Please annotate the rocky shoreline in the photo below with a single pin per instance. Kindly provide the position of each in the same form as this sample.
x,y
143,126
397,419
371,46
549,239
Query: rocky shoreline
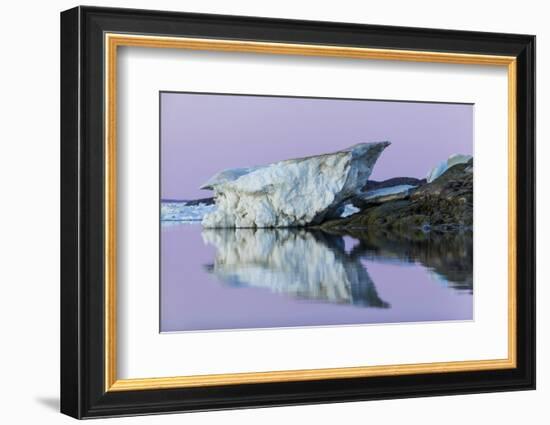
x,y
445,204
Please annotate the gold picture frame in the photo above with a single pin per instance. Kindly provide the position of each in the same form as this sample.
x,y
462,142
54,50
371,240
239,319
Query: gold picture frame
x,y
114,41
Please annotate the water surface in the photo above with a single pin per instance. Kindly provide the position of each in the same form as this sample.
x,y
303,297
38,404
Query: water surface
x,y
213,279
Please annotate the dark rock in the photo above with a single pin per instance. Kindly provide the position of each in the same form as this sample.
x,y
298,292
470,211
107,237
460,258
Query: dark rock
x,y
395,181
204,201
445,204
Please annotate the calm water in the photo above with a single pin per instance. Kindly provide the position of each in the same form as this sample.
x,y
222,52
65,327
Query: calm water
x,y
244,278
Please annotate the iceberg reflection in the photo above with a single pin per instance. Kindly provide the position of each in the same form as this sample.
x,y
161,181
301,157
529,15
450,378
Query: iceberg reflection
x,y
447,255
305,264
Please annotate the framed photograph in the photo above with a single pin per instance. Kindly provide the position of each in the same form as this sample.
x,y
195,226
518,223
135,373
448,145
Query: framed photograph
x,y
261,212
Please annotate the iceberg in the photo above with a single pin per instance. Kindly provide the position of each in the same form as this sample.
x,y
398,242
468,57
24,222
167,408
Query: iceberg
x,y
291,193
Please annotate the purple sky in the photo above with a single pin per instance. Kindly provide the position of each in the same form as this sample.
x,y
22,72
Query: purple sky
x,y
203,134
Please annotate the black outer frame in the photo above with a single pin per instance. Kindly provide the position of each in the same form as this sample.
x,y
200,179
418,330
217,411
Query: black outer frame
x,y
82,205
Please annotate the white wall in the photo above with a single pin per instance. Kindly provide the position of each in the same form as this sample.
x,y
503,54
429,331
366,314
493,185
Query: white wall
x,y
29,217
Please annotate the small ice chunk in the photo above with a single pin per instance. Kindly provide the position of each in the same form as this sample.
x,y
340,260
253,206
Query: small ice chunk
x,y
349,209
392,191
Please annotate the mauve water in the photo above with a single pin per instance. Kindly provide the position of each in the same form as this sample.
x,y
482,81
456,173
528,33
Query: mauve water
x,y
398,287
